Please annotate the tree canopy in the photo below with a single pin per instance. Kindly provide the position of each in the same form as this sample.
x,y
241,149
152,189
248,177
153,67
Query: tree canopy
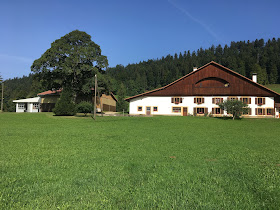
x,y
70,63
236,108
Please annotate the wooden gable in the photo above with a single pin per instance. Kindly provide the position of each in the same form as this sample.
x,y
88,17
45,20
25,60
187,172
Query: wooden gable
x,y
212,79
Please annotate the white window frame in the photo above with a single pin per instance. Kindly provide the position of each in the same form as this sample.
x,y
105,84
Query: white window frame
x,y
21,105
35,105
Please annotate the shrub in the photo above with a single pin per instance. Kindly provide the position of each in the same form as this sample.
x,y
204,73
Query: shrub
x,y
236,108
65,105
84,107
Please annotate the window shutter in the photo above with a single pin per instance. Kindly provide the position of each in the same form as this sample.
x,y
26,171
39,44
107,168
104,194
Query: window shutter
x,y
195,100
181,100
249,111
222,100
213,111
256,111
256,100
202,100
222,111
194,110
249,101
206,110
213,100
227,98
172,100
263,101
273,112
263,111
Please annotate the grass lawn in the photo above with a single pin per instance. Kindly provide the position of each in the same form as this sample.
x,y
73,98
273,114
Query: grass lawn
x,y
275,87
160,162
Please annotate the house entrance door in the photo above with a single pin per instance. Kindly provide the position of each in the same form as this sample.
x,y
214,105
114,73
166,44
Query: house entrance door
x,y
185,111
148,110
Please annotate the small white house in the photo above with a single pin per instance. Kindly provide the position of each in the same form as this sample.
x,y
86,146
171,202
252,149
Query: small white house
x,y
28,104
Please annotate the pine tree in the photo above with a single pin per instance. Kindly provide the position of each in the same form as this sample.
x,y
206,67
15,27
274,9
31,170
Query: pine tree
x,y
273,76
65,106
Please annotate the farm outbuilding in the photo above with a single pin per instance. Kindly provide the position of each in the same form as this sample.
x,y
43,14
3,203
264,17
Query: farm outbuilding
x,y
28,104
200,92
46,101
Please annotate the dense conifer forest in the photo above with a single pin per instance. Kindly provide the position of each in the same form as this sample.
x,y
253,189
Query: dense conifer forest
x,y
243,57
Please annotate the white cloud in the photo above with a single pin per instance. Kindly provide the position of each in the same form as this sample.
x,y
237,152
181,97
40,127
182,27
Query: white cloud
x,y
206,27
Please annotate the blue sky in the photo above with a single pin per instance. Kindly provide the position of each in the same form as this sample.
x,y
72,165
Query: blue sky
x,y
130,31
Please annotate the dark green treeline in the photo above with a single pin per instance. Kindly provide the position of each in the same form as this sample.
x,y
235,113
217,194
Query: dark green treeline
x,y
243,57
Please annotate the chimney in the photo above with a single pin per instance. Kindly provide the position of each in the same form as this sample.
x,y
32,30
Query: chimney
x,y
254,77
194,68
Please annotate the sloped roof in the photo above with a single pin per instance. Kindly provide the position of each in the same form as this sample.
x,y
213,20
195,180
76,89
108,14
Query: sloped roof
x,y
28,100
49,92
114,97
199,69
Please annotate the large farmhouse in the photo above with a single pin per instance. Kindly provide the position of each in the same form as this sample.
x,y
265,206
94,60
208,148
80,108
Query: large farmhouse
x,y
200,92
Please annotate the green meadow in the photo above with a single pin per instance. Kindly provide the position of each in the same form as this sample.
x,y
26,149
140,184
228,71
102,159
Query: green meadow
x,y
162,162
275,87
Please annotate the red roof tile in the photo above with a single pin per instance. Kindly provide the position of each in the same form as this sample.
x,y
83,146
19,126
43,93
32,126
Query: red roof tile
x,y
49,92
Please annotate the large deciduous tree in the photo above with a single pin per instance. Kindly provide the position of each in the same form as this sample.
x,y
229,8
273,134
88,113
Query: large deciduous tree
x,y
70,63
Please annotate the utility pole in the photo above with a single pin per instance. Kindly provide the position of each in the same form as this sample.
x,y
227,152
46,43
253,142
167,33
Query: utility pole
x,y
100,102
94,110
2,99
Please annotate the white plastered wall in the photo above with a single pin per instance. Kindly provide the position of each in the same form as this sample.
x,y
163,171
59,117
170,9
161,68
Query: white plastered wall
x,y
165,106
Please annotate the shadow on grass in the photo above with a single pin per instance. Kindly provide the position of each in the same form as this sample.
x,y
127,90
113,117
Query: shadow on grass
x,y
227,118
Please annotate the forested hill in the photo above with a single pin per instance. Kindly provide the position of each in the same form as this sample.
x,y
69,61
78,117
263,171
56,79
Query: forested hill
x,y
243,57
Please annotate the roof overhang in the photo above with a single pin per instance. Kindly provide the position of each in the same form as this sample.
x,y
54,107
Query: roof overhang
x,y
28,100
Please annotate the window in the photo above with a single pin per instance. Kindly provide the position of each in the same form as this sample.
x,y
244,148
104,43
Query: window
x,y
200,110
260,111
217,100
176,100
246,111
155,108
246,100
198,100
35,105
21,106
139,108
217,111
269,111
232,98
260,101
176,109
